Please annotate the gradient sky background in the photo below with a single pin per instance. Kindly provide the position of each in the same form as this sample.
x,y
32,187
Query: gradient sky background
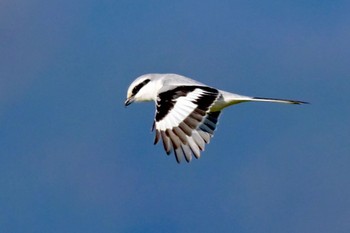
x,y
73,159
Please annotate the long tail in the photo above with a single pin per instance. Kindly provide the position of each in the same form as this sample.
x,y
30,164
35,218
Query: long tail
x,y
231,99
261,99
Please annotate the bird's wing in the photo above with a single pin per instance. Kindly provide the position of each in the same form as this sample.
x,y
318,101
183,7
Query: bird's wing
x,y
183,119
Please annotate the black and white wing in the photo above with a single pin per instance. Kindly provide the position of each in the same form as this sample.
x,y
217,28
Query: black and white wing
x,y
183,120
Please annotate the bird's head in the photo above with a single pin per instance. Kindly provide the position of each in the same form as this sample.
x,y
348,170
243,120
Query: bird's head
x,y
144,88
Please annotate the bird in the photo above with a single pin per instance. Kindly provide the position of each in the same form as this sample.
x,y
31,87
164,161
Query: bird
x,y
187,111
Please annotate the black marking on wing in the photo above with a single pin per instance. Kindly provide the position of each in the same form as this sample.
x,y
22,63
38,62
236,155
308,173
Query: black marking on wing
x,y
167,100
191,135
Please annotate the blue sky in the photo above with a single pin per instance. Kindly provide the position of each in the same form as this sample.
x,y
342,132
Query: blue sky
x,y
73,159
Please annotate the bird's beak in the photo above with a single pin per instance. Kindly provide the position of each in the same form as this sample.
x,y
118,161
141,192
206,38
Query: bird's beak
x,y
129,101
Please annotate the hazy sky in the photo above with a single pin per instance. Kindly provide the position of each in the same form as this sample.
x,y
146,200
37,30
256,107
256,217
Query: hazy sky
x,y
73,159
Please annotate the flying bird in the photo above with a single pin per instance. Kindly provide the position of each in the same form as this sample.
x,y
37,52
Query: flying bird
x,y
187,111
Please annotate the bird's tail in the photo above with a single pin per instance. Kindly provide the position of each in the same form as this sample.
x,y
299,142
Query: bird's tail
x,y
285,101
231,99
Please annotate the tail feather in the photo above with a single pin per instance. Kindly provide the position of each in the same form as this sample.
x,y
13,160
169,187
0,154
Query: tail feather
x,y
231,99
278,100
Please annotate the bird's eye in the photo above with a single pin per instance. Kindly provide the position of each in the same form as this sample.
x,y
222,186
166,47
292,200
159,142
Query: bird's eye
x,y
139,86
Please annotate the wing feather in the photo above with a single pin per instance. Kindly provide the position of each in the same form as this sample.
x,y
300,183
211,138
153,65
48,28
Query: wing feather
x,y
183,120
194,147
182,136
166,142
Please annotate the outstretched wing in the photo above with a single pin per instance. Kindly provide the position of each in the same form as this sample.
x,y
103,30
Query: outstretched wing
x,y
183,120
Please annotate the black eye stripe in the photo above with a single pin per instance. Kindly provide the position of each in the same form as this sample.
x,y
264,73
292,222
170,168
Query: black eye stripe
x,y
139,86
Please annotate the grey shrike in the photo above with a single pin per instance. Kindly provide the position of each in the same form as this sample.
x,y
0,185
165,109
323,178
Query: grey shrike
x,y
187,111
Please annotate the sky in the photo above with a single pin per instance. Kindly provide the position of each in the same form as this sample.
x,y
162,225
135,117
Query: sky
x,y
74,159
